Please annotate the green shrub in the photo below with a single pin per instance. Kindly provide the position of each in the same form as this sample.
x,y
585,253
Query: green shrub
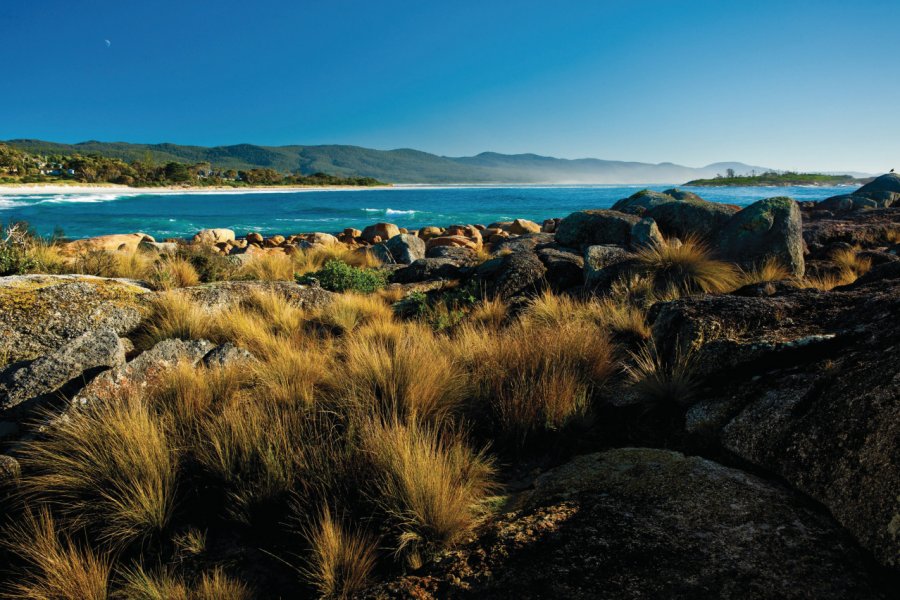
x,y
337,276
210,266
14,260
414,305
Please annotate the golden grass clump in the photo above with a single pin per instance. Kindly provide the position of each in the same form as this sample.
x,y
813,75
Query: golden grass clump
x,y
850,263
663,380
48,258
57,568
348,311
615,315
109,466
403,370
490,313
313,259
172,273
138,584
291,374
341,560
770,269
687,267
428,484
536,378
130,265
268,267
174,315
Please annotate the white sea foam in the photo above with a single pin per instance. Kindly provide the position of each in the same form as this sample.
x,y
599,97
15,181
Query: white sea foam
x,y
390,211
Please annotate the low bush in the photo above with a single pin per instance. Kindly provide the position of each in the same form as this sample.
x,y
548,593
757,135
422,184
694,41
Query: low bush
x,y
338,276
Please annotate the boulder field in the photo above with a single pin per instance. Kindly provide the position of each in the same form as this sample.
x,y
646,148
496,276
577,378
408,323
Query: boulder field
x,y
778,476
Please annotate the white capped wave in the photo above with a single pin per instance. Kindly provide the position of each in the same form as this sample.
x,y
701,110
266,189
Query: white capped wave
x,y
390,211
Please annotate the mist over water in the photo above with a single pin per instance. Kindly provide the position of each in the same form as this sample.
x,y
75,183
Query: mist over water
x,y
286,212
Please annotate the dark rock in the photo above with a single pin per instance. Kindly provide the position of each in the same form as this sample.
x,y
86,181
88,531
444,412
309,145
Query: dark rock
x,y
889,182
599,262
690,218
806,386
769,228
406,248
641,523
866,229
565,268
592,227
512,275
845,203
380,252
528,242
683,195
23,382
40,313
425,269
459,255
642,201
646,233
9,469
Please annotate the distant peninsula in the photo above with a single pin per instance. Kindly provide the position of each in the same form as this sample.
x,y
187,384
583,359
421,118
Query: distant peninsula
x,y
773,178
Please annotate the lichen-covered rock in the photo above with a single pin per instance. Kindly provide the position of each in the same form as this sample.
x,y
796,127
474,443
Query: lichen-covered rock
x,y
405,248
20,382
638,523
592,227
889,182
222,294
598,262
868,229
769,228
645,233
425,269
40,313
641,201
565,268
690,218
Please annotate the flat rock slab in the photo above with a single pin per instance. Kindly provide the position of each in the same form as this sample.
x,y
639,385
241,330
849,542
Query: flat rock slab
x,y
645,523
40,313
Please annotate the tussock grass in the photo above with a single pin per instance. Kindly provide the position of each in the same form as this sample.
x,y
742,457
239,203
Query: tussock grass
x,y
663,380
341,560
139,584
850,263
307,261
175,316
172,273
348,311
490,313
109,466
400,371
688,267
57,568
47,258
268,267
428,484
130,265
536,378
615,315
770,269
294,375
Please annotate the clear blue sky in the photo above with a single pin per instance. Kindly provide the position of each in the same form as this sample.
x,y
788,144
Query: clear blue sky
x,y
807,85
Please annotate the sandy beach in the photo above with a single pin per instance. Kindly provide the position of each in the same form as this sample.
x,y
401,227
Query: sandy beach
x,y
96,188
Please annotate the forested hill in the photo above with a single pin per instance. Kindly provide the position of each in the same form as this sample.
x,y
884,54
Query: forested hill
x,y
396,166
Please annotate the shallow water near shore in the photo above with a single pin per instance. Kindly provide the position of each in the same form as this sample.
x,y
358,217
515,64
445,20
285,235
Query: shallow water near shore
x,y
82,215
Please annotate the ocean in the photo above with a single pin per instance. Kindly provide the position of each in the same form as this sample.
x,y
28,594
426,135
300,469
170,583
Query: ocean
x,y
165,215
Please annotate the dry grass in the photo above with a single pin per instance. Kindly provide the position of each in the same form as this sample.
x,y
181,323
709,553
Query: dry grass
x,y
268,267
687,267
617,316
341,560
536,378
172,273
109,466
849,262
294,375
138,584
47,258
400,370
661,380
307,261
57,568
429,485
175,316
391,294
348,311
489,313
130,265
770,269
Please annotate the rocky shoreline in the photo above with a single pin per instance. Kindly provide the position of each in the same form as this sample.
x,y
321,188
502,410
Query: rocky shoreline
x,y
774,472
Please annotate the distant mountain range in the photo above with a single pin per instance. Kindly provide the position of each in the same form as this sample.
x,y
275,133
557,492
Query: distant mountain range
x,y
400,166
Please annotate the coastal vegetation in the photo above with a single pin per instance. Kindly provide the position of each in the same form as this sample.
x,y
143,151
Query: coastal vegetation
x,y
18,166
775,178
442,412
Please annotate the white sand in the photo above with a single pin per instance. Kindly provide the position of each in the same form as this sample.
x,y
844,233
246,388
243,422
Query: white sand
x,y
43,188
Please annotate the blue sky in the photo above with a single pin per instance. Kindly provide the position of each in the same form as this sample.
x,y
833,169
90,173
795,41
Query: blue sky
x,y
805,85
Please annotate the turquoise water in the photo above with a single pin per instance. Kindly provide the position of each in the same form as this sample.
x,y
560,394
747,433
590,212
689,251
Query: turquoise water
x,y
182,214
